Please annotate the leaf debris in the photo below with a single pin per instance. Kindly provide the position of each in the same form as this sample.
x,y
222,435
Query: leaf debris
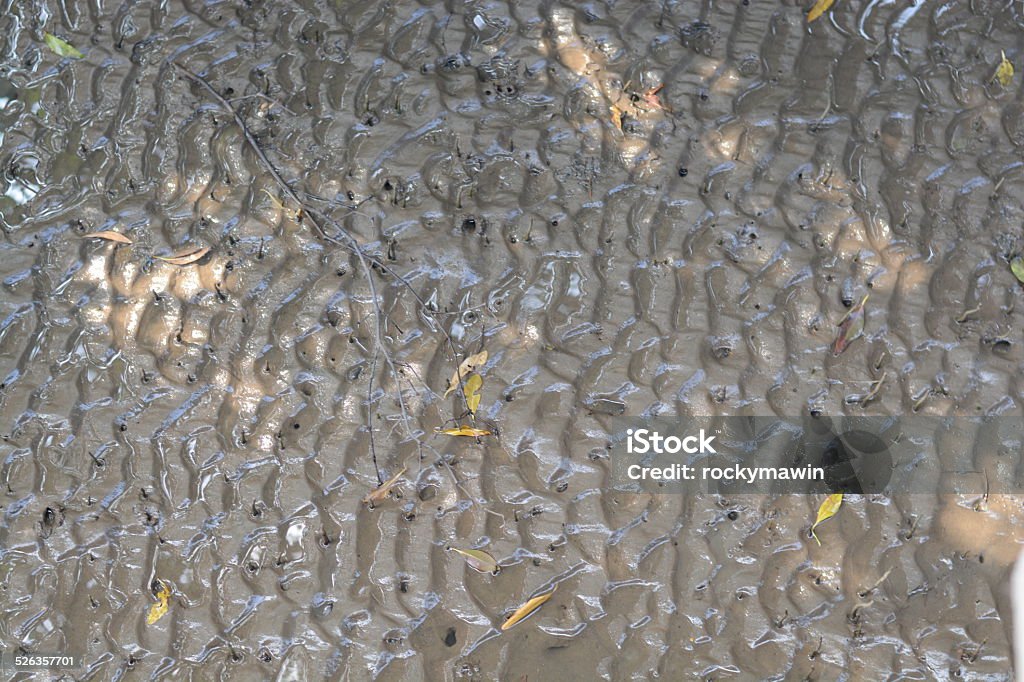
x,y
478,560
465,431
468,365
850,327
826,511
162,606
819,8
61,48
185,257
471,389
1017,268
1004,72
109,235
526,609
382,492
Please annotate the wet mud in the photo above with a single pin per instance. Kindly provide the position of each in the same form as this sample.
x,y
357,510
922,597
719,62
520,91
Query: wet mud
x,y
637,208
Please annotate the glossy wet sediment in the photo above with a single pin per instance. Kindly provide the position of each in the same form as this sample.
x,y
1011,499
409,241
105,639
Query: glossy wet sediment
x,y
638,208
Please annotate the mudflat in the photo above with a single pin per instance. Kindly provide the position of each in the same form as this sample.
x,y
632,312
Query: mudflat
x,y
247,245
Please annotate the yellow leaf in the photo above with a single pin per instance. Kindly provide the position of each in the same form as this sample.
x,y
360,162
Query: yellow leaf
x,y
381,493
186,257
826,511
1017,268
109,235
1004,72
526,609
466,431
472,388
467,366
617,117
478,560
159,609
61,48
819,8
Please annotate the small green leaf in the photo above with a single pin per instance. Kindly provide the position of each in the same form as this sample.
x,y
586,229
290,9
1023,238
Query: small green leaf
x,y
1017,268
61,48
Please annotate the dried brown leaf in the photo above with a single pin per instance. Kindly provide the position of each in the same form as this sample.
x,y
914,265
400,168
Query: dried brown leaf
x,y
478,560
186,257
381,493
110,236
850,327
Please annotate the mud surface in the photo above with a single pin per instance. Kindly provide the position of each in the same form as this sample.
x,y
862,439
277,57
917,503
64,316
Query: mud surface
x,y
616,247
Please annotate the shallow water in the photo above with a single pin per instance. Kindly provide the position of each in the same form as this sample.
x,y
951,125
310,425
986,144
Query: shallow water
x,y
616,247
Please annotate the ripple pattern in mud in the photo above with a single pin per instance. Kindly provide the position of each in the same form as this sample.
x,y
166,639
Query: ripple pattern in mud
x,y
662,206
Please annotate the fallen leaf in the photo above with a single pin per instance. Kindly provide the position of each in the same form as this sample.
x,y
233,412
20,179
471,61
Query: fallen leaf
x,y
850,327
109,235
819,8
466,431
281,207
826,511
526,609
61,48
1004,72
478,560
159,609
381,493
186,257
1017,268
617,117
467,366
471,389
651,97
